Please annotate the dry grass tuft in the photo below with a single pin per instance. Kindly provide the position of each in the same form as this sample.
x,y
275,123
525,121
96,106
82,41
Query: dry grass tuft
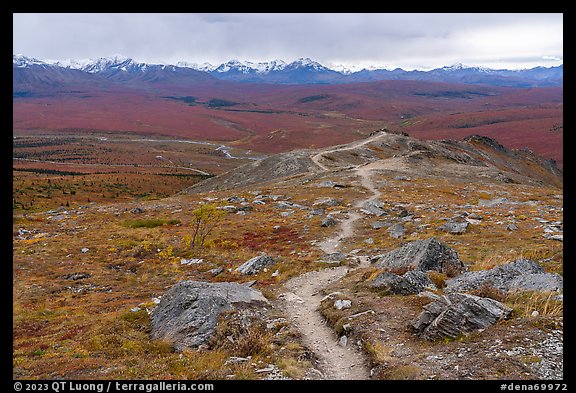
x,y
241,337
403,372
491,292
545,303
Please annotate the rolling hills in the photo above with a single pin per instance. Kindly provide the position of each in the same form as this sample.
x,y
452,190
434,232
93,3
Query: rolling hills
x,y
274,117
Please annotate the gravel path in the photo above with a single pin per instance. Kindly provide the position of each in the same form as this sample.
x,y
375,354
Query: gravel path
x,y
302,299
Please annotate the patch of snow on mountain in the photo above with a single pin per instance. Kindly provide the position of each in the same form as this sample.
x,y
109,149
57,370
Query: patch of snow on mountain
x,y
205,67
22,61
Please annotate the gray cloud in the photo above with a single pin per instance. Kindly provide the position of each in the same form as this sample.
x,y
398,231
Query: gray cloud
x,y
404,40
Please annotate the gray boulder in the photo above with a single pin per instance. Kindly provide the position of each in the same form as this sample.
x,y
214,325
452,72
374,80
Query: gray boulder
x,y
456,228
327,202
397,230
335,257
410,283
317,212
188,312
520,275
374,208
328,221
429,254
458,313
378,224
254,265
493,202
541,282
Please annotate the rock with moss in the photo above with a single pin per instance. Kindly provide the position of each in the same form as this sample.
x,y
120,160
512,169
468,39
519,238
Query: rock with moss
x,y
424,255
188,313
455,314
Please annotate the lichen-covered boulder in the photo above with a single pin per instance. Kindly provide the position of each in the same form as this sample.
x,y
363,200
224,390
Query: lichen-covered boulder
x,y
188,312
424,255
458,313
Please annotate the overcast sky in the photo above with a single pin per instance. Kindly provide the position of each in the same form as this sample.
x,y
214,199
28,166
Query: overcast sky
x,y
409,41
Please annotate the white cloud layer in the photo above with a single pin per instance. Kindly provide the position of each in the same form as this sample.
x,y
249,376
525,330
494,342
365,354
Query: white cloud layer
x,y
409,41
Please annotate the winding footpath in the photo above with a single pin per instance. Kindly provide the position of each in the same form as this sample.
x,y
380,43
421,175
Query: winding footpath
x,y
302,299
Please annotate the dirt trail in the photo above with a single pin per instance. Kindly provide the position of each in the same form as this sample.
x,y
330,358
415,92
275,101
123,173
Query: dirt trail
x,y
302,299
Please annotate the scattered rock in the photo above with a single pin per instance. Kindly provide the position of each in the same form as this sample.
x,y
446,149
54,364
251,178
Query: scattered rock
x,y
244,208
85,250
374,208
410,283
330,183
520,275
216,271
236,199
492,202
401,211
290,205
254,265
137,210
369,241
228,208
378,224
429,254
404,178
397,230
327,202
328,221
456,314
76,276
335,257
235,360
191,261
456,228
317,212
554,237
135,309
188,312
342,304
511,227
343,341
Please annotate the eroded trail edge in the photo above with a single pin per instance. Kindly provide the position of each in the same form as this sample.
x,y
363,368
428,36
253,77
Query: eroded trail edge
x,y
302,299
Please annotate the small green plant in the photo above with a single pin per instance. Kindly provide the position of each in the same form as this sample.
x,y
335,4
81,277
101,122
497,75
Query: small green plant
x,y
149,223
167,254
204,220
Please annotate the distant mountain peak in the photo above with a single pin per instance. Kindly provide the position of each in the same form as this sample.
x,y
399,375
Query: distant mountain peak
x,y
304,70
22,61
103,63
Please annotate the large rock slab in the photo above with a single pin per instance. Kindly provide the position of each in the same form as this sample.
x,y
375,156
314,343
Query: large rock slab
x,y
458,313
410,283
520,275
429,254
254,265
188,312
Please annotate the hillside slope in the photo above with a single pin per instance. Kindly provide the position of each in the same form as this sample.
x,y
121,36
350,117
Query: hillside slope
x,y
474,157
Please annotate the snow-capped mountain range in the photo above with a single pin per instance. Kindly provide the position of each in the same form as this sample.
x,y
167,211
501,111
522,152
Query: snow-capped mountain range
x,y
300,71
